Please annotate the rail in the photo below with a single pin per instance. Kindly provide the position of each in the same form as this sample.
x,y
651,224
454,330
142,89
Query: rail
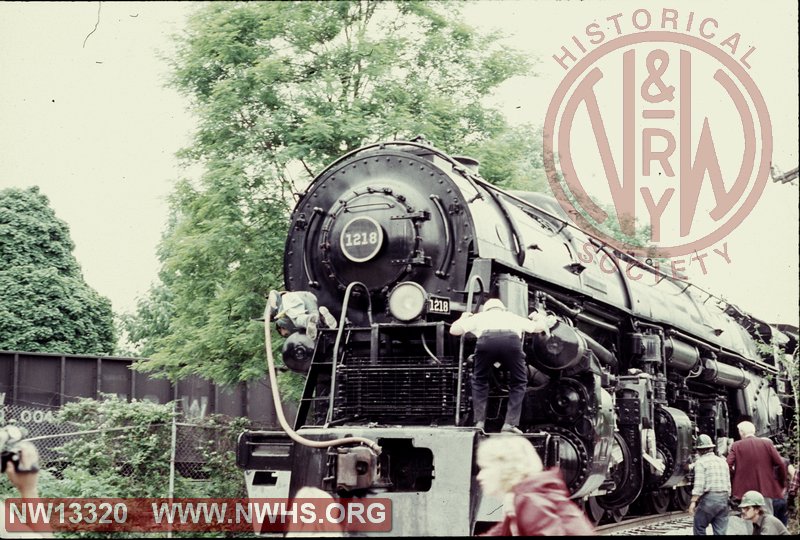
x,y
643,521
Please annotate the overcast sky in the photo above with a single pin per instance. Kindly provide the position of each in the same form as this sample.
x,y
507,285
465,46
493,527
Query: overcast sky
x,y
84,114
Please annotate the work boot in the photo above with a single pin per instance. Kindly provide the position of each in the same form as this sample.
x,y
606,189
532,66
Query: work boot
x,y
272,301
508,428
327,317
311,327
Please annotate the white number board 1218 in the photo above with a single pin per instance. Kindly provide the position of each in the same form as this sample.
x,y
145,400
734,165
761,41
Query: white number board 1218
x,y
437,304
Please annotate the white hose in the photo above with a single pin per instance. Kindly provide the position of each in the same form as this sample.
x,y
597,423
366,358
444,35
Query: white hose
x,y
279,408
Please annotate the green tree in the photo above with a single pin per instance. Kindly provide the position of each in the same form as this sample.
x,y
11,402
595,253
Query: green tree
x,y
512,159
45,305
641,237
281,89
130,459
131,455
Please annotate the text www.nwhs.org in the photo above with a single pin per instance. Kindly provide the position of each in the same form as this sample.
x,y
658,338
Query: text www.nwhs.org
x,y
162,514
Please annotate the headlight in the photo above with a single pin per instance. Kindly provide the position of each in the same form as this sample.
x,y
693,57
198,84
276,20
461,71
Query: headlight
x,y
407,301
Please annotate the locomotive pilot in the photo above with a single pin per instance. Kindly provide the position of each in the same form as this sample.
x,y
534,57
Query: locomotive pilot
x,y
500,335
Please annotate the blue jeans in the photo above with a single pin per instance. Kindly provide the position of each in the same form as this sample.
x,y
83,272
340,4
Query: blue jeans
x,y
711,509
504,347
780,510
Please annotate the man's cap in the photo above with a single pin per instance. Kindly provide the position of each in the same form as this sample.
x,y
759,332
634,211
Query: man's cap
x,y
752,498
493,303
704,441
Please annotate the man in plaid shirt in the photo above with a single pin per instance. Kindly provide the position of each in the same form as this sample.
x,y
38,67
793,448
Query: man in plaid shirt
x,y
712,488
794,486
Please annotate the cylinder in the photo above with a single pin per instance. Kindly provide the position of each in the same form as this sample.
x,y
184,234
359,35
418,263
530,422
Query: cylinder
x,y
560,350
681,355
723,374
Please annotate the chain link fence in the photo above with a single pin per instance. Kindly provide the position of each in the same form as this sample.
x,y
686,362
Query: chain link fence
x,y
137,433
195,442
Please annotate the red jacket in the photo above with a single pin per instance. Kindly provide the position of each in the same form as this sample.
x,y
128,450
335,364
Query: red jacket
x,y
754,463
543,508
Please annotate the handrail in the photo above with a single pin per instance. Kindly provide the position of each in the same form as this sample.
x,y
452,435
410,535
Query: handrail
x,y
448,237
470,291
340,331
312,282
618,253
519,248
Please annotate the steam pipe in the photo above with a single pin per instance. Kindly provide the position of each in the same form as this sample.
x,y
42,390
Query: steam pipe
x,y
724,352
577,313
603,354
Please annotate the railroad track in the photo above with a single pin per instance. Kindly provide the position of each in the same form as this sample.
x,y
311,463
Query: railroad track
x,y
659,523
670,524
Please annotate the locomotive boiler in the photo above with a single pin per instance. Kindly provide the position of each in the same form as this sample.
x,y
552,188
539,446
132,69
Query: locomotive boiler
x,y
397,240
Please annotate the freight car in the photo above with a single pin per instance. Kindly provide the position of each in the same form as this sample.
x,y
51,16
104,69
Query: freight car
x,y
398,239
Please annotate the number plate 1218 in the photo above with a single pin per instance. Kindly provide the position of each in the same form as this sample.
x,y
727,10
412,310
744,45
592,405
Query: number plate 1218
x,y
438,305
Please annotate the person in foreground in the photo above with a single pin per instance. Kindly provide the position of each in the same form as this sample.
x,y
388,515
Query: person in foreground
x,y
322,498
711,490
756,466
25,478
752,506
535,501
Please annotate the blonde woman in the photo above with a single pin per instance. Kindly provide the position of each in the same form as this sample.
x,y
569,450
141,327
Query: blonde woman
x,y
535,501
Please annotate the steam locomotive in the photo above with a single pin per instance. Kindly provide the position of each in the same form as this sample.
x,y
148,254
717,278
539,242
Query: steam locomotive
x,y
398,239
